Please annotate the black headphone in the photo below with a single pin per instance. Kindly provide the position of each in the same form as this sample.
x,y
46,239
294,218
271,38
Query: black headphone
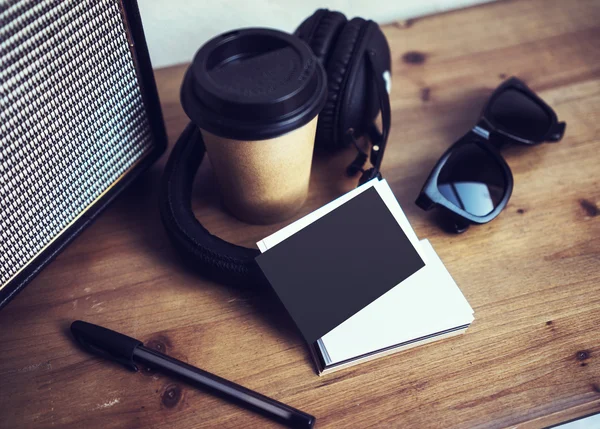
x,y
356,57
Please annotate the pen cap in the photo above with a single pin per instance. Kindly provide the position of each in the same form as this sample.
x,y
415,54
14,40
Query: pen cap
x,y
106,343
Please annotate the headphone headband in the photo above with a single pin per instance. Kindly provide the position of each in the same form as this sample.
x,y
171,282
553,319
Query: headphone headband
x,y
214,257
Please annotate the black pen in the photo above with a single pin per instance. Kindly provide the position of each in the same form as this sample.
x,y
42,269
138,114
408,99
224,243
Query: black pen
x,y
129,351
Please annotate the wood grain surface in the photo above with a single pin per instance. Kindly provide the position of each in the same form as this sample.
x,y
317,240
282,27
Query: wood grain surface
x,y
532,356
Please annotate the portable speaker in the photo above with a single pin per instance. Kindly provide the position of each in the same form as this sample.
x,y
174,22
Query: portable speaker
x,y
80,119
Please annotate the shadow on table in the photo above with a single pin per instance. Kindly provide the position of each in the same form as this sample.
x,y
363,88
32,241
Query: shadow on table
x,y
138,209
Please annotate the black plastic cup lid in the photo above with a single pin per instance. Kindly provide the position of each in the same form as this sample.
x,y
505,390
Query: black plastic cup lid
x,y
253,84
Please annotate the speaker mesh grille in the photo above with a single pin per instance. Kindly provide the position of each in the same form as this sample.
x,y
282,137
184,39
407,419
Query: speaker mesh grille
x,y
72,120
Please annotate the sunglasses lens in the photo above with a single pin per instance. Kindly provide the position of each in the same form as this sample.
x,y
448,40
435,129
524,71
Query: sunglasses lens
x,y
473,180
516,113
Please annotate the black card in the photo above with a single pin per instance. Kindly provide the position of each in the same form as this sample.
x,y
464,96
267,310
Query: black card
x,y
339,264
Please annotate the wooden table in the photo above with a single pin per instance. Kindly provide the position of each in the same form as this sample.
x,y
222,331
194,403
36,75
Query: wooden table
x,y
532,357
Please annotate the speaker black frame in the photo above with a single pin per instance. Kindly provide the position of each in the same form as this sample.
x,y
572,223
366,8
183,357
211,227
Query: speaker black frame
x,y
143,66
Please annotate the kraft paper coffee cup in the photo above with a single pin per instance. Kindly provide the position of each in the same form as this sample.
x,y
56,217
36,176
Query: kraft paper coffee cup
x,y
255,95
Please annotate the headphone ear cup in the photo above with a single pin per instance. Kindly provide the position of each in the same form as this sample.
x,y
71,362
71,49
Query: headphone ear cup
x,y
307,27
329,134
357,103
320,31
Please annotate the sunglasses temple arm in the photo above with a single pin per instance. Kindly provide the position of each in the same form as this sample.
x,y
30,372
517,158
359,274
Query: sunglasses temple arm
x,y
424,202
557,132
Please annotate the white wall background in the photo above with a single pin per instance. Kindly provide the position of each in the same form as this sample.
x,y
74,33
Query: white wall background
x,y
175,29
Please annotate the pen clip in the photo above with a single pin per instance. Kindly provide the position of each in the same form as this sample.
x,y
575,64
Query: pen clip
x,y
106,343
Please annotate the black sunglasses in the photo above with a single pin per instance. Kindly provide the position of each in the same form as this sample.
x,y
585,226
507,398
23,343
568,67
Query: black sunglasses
x,y
472,181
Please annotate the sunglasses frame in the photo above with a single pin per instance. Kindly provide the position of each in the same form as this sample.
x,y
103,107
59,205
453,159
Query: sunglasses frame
x,y
489,136
431,196
555,131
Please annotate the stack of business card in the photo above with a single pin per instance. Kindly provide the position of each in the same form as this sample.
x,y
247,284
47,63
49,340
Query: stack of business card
x,y
358,283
